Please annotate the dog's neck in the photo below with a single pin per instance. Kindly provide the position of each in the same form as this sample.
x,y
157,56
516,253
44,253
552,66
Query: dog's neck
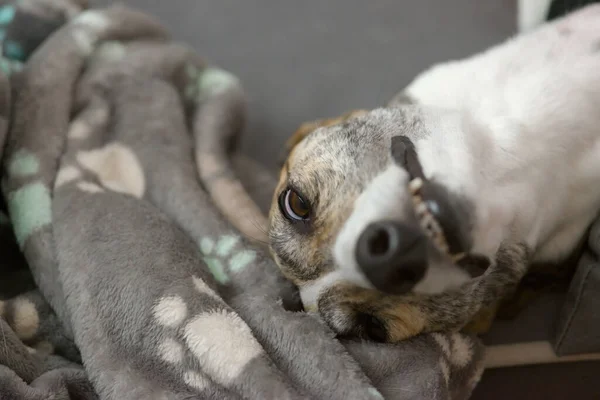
x,y
459,154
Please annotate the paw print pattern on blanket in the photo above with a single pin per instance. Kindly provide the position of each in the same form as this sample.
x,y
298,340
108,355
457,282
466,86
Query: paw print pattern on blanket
x,y
22,317
170,312
115,166
457,353
216,339
34,324
221,258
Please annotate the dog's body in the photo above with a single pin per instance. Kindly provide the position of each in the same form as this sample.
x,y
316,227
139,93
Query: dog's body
x,y
497,156
530,121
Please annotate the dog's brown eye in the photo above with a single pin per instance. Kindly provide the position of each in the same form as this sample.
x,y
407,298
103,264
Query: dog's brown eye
x,y
293,206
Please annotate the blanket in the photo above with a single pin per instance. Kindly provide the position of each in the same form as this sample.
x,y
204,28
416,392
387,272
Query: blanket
x,y
132,257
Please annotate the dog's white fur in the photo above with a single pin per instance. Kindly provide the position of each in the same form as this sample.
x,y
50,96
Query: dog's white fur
x,y
520,126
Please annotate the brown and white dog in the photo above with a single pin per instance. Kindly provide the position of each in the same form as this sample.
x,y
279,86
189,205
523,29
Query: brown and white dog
x,y
495,157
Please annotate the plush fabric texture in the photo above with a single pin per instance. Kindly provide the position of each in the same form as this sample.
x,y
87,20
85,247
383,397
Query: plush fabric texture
x,y
122,246
578,325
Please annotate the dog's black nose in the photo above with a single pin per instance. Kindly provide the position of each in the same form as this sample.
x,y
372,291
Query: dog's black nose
x,y
392,255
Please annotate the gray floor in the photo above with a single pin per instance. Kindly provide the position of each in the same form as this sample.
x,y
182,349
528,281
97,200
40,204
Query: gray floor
x,y
301,60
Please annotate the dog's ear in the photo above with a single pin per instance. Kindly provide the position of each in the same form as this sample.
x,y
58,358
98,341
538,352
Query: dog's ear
x,y
308,127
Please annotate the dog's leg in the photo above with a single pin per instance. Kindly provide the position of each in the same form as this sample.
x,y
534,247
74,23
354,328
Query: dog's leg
x,y
355,311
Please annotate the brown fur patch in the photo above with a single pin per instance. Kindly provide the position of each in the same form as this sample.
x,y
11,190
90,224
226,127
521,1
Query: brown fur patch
x,y
403,321
307,260
371,314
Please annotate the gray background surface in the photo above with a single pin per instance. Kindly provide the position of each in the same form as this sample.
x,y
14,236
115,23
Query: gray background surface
x,y
301,60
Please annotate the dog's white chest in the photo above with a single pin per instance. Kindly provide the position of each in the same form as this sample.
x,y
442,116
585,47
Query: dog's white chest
x,y
531,140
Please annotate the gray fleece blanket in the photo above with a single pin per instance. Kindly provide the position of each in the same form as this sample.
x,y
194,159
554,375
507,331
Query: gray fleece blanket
x,y
131,262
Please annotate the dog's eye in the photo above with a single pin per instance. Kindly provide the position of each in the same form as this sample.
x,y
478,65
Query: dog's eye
x,y
293,206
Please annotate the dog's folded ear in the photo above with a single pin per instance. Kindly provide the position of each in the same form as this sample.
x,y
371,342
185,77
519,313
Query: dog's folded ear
x,y
308,127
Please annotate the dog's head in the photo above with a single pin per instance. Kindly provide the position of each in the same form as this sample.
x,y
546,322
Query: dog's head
x,y
356,202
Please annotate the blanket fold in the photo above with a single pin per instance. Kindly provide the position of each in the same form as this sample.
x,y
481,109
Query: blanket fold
x,y
143,233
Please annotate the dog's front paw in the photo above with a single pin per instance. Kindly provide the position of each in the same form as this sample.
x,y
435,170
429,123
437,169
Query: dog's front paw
x,y
352,311
348,317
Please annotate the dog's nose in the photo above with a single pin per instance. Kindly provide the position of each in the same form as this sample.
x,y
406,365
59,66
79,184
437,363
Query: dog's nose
x,y
392,255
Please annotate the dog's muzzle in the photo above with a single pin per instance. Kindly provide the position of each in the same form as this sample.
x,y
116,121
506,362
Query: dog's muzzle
x,y
392,255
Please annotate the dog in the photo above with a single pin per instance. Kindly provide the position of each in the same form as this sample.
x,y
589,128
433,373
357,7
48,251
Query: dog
x,y
489,163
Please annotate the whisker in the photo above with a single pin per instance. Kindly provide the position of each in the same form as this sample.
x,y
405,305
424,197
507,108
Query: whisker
x,y
258,225
258,240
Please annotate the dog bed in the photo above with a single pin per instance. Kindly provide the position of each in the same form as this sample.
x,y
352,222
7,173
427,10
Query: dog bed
x,y
132,262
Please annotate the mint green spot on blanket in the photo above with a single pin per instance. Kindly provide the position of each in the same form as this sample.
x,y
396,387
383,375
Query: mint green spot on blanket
x,y
30,210
7,13
214,80
240,260
23,164
216,268
14,51
225,244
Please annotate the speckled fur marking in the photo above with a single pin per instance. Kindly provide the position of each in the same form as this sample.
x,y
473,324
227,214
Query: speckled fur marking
x,y
301,257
